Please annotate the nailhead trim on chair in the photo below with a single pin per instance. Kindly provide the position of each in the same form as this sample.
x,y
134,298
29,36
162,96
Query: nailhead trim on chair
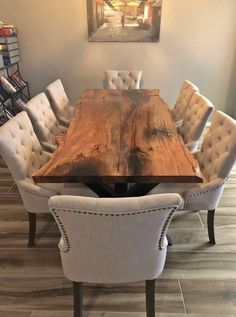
x,y
54,211
30,192
63,230
164,229
188,196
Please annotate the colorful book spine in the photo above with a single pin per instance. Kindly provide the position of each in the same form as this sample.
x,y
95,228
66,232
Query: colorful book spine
x,y
7,85
19,81
8,31
20,104
8,39
3,94
10,60
11,53
9,47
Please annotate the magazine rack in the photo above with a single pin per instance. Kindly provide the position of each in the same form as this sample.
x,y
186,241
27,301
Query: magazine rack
x,y
8,104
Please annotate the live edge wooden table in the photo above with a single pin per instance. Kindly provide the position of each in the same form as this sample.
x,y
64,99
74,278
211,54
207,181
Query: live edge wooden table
x,y
120,137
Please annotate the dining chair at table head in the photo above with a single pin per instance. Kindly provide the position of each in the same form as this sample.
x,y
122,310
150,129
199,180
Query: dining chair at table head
x,y
113,240
59,101
186,92
194,120
216,159
24,155
123,79
46,125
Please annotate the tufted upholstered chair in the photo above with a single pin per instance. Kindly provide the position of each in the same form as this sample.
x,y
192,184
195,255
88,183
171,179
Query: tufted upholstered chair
x,y
194,120
216,158
24,155
123,79
44,121
113,240
183,100
59,101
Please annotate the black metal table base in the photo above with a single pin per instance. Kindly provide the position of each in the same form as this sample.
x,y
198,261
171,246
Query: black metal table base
x,y
121,189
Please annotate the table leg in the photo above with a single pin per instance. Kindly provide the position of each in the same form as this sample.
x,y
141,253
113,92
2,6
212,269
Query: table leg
x,y
170,241
101,190
121,189
140,189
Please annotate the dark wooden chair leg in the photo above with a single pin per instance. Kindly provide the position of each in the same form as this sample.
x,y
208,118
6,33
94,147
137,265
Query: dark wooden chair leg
x,y
150,298
32,229
210,226
78,299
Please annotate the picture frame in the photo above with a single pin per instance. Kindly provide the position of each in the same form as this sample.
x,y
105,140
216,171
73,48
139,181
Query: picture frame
x,y
124,20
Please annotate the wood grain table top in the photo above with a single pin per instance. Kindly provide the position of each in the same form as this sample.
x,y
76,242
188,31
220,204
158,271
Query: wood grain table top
x,y
120,136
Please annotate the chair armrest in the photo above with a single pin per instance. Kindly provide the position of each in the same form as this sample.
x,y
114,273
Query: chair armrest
x,y
49,147
178,123
192,145
63,129
63,122
33,189
204,196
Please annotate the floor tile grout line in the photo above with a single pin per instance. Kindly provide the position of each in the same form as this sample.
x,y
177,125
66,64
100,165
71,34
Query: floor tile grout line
x,y
182,296
200,218
9,190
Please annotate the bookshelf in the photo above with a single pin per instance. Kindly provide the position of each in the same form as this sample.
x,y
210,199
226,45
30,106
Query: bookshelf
x,y
14,90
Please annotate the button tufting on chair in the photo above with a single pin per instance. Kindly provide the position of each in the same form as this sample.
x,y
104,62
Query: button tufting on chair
x,y
182,101
123,79
114,240
24,156
60,104
215,163
44,121
194,120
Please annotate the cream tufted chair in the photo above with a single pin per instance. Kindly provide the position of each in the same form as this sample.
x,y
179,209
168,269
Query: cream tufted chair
x,y
183,100
60,104
216,159
123,79
195,120
24,155
44,121
113,240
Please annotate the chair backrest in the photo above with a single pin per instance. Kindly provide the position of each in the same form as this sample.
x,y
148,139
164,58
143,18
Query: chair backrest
x,y
113,240
59,101
123,79
195,119
218,151
43,119
20,147
186,92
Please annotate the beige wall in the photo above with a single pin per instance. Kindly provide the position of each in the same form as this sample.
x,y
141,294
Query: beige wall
x,y
198,42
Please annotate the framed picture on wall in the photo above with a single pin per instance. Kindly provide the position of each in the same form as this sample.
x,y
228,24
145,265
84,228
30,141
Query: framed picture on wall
x,y
124,20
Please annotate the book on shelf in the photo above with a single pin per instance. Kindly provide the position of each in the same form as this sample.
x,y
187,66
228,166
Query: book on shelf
x,y
9,47
3,118
8,39
1,61
10,53
9,114
8,30
13,83
19,81
7,85
4,95
20,104
10,60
